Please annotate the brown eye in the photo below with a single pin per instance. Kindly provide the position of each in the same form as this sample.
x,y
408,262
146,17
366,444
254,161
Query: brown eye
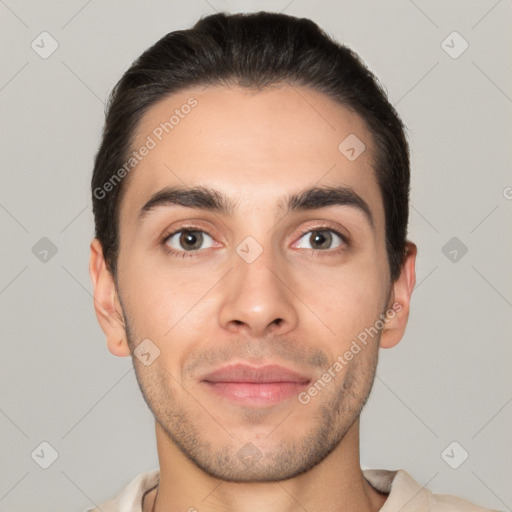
x,y
322,239
187,240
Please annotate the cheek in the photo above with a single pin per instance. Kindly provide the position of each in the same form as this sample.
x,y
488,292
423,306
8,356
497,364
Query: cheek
x,y
165,301
346,299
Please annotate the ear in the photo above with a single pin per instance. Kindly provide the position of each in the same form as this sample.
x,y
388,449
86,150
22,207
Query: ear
x,y
106,302
398,306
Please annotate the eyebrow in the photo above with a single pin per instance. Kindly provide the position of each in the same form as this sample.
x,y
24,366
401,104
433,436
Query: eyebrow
x,y
205,198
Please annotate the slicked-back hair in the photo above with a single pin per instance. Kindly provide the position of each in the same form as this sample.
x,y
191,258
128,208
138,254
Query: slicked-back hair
x,y
255,51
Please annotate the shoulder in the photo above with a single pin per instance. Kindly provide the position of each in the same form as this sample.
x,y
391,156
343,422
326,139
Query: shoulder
x,y
407,495
130,498
448,503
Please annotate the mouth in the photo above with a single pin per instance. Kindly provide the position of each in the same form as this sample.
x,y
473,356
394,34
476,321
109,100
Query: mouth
x,y
250,385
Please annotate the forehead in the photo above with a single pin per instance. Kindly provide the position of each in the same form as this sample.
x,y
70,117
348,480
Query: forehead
x,y
253,146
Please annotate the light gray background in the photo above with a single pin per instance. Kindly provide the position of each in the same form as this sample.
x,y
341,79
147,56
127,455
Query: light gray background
x,y
448,380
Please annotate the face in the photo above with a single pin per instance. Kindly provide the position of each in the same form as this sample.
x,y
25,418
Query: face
x,y
249,296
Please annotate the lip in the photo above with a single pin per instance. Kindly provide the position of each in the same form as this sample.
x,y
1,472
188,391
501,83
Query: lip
x,y
255,385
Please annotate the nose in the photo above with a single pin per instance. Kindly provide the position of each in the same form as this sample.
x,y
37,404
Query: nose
x,y
257,298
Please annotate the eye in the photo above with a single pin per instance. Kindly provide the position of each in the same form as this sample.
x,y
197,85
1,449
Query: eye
x,y
322,239
187,240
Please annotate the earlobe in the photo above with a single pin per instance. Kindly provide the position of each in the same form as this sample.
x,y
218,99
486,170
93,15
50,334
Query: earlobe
x,y
397,313
106,302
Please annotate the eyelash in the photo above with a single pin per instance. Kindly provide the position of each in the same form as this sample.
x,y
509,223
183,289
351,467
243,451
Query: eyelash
x,y
327,252
184,254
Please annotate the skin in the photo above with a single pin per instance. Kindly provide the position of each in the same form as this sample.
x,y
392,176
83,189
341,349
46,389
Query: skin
x,y
213,307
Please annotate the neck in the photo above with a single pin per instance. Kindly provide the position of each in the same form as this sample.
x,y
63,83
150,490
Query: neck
x,y
336,483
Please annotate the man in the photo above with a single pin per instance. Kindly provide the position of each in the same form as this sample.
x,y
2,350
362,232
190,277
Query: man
x,y
251,203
